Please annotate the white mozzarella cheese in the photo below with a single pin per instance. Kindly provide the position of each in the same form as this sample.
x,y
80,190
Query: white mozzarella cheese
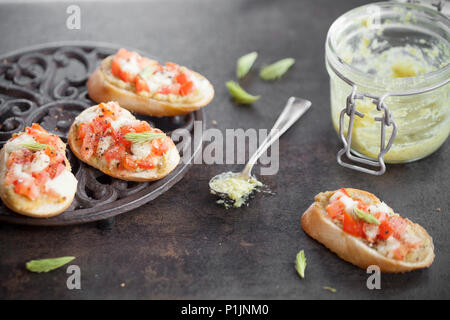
x,y
130,66
349,203
121,121
18,142
383,207
158,80
87,115
200,83
141,150
380,207
19,173
40,162
371,231
65,184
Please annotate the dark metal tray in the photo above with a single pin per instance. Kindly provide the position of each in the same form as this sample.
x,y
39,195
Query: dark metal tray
x,y
47,85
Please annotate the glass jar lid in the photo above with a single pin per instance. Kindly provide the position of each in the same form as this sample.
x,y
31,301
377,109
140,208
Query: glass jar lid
x,y
390,46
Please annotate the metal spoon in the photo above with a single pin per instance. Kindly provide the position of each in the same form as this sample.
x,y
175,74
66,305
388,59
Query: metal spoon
x,y
294,109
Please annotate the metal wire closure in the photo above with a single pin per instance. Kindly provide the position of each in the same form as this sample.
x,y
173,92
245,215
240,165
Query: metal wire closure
x,y
386,121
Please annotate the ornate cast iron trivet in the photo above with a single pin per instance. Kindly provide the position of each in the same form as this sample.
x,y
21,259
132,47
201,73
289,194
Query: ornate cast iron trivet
x,y
47,85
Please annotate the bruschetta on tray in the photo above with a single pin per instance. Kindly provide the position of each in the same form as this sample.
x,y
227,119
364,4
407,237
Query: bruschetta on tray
x,y
362,230
144,86
112,140
35,175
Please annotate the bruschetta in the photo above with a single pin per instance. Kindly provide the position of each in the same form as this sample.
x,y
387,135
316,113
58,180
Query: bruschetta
x,y
35,175
112,140
146,87
362,230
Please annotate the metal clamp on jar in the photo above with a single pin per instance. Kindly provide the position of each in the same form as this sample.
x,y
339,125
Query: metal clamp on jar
x,y
389,65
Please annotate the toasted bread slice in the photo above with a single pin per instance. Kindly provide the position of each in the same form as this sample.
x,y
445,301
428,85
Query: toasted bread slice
x,y
317,224
166,163
104,86
45,206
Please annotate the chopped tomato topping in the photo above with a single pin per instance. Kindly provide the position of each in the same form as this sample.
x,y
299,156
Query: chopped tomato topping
x,y
50,152
27,188
115,68
141,85
121,57
166,90
124,54
89,145
352,226
120,137
186,88
116,152
399,225
127,128
160,146
20,157
55,169
99,125
385,230
335,209
37,127
148,163
143,126
110,109
41,135
83,129
182,78
128,163
41,177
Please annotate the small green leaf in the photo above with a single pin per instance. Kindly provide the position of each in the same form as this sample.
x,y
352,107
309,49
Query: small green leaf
x,y
239,94
330,289
367,217
300,263
143,136
245,63
277,69
46,265
34,146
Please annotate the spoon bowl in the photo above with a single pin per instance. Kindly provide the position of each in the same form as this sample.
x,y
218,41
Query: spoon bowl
x,y
234,188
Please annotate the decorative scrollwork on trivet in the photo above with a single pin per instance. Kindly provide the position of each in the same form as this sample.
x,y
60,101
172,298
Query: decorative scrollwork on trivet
x,y
47,85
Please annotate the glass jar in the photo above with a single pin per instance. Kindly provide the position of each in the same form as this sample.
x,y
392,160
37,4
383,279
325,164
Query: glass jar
x,y
389,67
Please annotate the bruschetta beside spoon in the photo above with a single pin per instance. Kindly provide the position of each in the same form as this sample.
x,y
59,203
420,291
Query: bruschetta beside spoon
x,y
144,86
112,140
35,175
364,231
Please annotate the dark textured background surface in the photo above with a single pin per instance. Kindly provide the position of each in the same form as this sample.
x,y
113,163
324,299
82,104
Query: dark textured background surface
x,y
183,245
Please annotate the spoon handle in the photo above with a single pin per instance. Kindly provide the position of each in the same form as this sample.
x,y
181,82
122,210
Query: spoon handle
x,y
294,109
